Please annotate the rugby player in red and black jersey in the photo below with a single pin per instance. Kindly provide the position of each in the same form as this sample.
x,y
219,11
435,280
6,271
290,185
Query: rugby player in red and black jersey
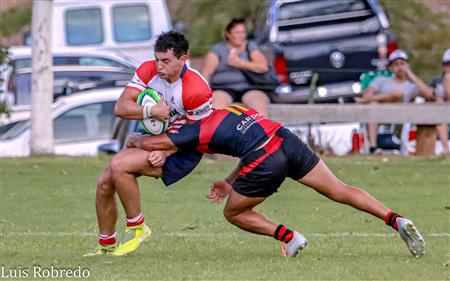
x,y
269,153
186,98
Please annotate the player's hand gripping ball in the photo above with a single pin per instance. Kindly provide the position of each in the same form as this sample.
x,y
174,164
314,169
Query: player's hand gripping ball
x,y
152,125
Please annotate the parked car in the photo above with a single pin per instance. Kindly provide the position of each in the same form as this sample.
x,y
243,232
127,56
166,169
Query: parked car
x,y
333,41
128,27
122,129
81,123
20,57
68,80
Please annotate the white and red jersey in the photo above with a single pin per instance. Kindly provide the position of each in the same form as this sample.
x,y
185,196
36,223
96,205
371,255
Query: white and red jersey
x,y
189,98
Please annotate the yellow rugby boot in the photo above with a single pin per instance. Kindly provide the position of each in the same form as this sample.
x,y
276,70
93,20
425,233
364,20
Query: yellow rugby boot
x,y
133,238
102,250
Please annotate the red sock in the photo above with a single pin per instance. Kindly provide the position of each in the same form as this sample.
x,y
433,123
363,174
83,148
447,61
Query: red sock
x,y
107,240
391,219
282,233
137,220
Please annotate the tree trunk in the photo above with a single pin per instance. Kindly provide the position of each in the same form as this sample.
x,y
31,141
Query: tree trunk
x,y
41,137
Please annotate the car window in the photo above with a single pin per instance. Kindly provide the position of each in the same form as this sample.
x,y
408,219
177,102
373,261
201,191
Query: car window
x,y
96,61
87,122
18,129
22,88
131,23
7,127
22,63
69,82
62,60
84,27
302,9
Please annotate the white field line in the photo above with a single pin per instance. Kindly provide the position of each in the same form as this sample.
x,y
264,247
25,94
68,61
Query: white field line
x,y
188,234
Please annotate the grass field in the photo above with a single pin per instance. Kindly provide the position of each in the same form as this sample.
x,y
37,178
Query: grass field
x,y
48,218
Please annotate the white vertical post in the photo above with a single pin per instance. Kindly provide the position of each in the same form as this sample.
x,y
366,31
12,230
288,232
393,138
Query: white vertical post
x,y
41,137
404,138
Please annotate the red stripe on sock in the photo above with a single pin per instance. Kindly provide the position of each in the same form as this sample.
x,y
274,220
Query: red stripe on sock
x,y
395,225
107,242
136,223
386,219
289,237
281,232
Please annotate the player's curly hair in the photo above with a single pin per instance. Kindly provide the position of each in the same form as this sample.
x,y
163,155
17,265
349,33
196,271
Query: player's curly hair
x,y
172,40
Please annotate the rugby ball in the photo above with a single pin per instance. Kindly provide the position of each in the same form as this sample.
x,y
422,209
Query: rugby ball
x,y
151,125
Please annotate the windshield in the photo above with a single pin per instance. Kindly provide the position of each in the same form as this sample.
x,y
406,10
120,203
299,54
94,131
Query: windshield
x,y
17,130
5,128
314,8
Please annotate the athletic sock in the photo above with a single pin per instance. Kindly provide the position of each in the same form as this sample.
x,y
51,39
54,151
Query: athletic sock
x,y
282,233
137,220
391,219
107,240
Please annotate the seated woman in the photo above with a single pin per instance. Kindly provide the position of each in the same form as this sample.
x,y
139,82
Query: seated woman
x,y
223,64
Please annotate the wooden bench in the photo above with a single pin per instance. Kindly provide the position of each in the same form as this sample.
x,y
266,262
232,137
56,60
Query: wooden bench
x,y
426,115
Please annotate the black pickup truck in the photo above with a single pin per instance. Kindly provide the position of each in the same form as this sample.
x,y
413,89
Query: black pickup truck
x,y
324,43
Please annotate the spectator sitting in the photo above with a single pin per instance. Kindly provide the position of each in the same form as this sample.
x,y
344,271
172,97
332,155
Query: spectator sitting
x,y
222,68
441,87
402,87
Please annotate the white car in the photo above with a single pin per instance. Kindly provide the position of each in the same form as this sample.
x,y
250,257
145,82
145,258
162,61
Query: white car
x,y
81,122
21,57
63,59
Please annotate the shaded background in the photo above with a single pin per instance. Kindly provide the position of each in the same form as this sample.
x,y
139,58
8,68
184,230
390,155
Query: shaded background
x,y
422,26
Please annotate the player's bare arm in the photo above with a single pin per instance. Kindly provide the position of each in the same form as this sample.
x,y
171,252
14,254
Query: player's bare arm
x,y
221,188
158,158
126,107
234,174
151,143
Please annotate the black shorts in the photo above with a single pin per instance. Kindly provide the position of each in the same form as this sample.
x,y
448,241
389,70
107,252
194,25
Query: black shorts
x,y
179,165
265,169
236,95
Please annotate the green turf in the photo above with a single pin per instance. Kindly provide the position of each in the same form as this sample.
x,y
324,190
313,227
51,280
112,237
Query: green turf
x,y
48,218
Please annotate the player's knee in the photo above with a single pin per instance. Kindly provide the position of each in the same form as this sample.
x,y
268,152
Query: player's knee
x,y
116,164
227,214
231,216
103,184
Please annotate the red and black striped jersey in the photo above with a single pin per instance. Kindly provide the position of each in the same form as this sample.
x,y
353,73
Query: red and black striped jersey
x,y
235,130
